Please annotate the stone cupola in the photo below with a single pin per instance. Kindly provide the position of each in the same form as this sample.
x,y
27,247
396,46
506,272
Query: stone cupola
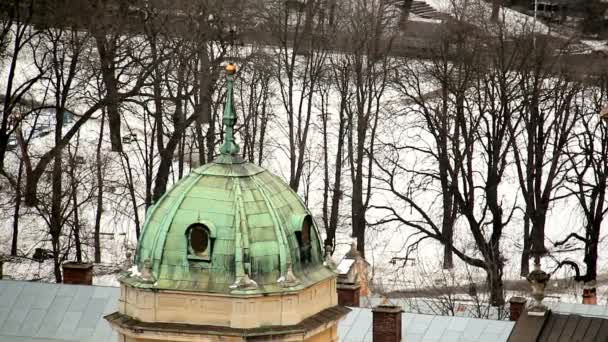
x,y
229,252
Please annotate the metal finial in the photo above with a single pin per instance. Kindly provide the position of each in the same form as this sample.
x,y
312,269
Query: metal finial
x,y
229,147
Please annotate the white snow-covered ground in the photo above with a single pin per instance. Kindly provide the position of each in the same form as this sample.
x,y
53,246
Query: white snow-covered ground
x,y
383,243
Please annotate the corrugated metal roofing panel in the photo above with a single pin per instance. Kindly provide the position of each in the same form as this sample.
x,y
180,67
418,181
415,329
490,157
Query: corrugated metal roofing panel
x,y
32,321
435,329
361,325
65,313
40,312
427,328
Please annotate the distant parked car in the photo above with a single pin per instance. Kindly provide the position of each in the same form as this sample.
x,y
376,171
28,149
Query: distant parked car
x,y
129,138
12,144
42,130
41,254
79,160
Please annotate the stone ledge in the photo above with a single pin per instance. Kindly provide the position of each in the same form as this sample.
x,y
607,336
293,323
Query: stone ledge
x,y
326,316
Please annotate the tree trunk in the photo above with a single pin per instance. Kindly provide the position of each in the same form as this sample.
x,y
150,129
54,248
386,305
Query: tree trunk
x,y
263,124
337,192
525,253
358,216
99,175
16,212
591,254
56,259
200,142
447,224
180,157
150,168
496,286
76,228
106,58
537,235
210,139
324,118
358,206
205,81
162,176
129,175
55,219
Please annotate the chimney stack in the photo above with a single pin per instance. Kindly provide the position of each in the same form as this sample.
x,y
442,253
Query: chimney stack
x,y
78,273
386,326
516,307
590,296
348,294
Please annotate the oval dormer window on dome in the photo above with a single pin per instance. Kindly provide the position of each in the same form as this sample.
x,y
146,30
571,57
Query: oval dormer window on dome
x,y
304,240
199,242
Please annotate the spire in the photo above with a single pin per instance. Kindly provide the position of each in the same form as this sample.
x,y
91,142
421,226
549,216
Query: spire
x,y
229,148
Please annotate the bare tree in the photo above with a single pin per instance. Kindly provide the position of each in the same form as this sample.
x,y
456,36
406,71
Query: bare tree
x,y
368,29
16,35
99,173
460,148
331,206
540,131
108,25
588,179
136,69
66,49
182,87
255,88
298,29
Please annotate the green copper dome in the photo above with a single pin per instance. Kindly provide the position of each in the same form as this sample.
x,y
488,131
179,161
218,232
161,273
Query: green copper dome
x,y
229,227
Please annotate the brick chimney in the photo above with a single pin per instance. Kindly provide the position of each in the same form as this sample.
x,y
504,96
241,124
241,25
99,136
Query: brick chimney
x,y
590,296
348,294
77,273
386,326
516,307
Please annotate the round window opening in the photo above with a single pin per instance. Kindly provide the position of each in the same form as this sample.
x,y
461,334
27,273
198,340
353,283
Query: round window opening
x,y
199,239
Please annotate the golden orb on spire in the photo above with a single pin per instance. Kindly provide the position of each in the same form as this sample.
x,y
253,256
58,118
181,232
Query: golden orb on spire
x,y
230,68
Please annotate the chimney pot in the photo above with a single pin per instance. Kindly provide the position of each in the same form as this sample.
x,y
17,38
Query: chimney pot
x,y
516,307
590,296
348,294
386,326
78,273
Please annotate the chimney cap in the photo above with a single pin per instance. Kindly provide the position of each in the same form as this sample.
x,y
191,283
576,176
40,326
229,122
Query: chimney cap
x,y
78,265
517,300
387,308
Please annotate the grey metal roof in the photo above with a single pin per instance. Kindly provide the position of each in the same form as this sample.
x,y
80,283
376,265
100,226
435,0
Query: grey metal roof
x,y
357,327
600,311
37,312
438,306
42,312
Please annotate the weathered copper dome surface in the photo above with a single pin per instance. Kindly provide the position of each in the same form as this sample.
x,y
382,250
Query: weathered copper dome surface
x,y
261,236
253,218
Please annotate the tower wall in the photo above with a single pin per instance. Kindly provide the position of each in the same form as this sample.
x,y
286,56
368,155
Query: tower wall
x,y
287,308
